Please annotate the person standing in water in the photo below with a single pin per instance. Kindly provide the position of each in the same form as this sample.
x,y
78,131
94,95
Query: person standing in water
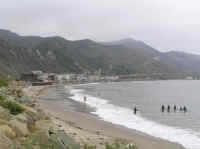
x,y
168,108
84,98
163,108
135,110
184,109
174,108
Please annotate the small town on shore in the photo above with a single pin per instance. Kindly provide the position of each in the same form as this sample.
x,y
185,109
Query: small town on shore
x,y
42,78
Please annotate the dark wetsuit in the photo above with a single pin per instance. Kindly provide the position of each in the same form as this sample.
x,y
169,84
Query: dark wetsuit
x,y
184,109
174,108
168,108
163,108
135,110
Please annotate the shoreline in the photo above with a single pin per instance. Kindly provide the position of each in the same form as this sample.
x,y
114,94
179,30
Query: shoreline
x,y
52,103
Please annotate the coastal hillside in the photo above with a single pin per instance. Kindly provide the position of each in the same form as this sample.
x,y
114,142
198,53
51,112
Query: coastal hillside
x,y
56,54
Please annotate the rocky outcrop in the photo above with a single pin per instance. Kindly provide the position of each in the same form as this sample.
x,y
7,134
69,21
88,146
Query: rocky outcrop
x,y
31,128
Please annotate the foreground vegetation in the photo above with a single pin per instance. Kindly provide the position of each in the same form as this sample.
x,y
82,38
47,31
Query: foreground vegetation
x,y
13,107
24,126
118,144
3,81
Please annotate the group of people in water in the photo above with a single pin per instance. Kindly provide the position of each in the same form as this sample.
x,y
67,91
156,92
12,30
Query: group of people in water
x,y
175,108
167,108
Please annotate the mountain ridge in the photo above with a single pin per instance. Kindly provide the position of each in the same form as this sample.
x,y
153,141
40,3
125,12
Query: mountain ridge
x,y
56,54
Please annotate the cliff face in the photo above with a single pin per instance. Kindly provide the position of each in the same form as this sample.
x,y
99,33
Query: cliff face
x,y
55,54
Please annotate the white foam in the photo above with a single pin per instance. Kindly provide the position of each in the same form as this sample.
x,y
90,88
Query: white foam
x,y
124,116
86,84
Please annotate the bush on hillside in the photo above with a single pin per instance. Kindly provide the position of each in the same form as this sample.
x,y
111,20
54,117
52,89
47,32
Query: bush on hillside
x,y
3,81
1,97
117,145
86,146
13,107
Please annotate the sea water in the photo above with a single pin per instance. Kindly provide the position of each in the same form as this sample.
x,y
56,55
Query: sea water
x,y
114,102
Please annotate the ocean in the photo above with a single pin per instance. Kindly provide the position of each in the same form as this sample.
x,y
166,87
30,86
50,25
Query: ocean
x,y
114,102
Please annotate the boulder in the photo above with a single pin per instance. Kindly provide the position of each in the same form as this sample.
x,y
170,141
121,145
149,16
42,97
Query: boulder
x,y
35,115
7,131
41,140
19,127
44,124
5,114
5,142
3,122
21,117
66,141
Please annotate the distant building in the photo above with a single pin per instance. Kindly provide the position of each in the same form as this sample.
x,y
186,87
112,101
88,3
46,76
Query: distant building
x,y
189,78
67,77
38,76
32,76
93,78
111,78
38,72
52,77
82,78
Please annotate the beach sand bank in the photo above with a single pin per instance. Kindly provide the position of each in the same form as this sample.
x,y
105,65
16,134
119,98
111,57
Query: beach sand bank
x,y
85,125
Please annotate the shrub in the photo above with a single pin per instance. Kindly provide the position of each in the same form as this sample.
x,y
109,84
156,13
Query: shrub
x,y
1,97
131,146
13,107
3,81
117,145
86,146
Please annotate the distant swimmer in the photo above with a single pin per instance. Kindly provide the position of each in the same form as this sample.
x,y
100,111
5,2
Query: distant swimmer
x,y
174,108
168,108
84,98
163,108
135,110
184,109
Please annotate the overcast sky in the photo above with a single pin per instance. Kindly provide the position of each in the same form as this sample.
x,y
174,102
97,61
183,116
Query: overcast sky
x,y
163,24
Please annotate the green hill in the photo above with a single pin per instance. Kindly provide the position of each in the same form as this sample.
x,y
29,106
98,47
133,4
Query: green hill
x,y
56,54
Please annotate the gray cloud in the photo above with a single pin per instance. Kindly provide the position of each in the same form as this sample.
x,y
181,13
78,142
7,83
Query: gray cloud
x,y
165,25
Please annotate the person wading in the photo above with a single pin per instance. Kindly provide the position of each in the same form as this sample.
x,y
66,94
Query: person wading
x,y
174,108
135,110
184,109
168,108
84,98
163,108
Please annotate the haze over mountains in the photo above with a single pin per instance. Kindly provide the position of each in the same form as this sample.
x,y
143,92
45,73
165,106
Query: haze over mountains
x,y
56,54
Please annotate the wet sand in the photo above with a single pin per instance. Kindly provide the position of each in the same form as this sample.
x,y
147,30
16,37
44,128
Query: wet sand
x,y
53,101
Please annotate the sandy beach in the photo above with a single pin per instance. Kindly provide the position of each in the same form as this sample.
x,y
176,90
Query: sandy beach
x,y
84,126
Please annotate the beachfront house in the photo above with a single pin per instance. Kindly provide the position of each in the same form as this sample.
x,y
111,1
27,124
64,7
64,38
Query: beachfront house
x,y
94,78
33,76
